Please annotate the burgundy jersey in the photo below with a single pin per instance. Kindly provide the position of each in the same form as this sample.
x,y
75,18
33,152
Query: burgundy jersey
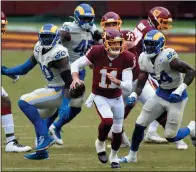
x,y
140,31
129,36
102,65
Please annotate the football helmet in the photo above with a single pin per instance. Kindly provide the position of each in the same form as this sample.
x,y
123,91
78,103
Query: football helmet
x,y
49,36
153,43
84,15
4,23
113,41
111,19
160,18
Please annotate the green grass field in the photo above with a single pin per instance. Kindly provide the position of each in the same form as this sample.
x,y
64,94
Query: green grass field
x,y
78,152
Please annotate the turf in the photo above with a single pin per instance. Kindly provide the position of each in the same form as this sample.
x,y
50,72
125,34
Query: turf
x,y
78,152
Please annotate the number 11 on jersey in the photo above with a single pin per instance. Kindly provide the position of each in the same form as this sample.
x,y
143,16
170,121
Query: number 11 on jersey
x,y
103,83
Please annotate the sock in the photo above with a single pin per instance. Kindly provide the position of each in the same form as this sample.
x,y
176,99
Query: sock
x,y
51,119
116,141
67,116
182,133
8,126
33,115
137,137
104,128
153,127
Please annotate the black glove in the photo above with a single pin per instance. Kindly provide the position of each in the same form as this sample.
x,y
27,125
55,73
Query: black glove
x,y
97,35
78,91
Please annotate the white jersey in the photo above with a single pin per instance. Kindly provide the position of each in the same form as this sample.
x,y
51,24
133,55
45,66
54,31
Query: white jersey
x,y
161,71
51,74
81,40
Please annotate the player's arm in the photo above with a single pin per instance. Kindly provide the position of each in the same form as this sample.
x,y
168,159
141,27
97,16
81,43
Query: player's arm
x,y
21,69
143,76
97,37
64,66
183,67
127,78
75,66
64,34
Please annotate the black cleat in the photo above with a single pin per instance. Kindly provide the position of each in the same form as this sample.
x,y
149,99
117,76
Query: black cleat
x,y
115,165
103,157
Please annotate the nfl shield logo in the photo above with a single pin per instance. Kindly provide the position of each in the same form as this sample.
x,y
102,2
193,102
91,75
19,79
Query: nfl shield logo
x,y
110,64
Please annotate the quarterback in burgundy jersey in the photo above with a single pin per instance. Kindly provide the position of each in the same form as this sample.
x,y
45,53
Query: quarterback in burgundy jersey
x,y
112,72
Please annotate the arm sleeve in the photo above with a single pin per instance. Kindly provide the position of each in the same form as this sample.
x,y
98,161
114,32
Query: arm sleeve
x,y
127,78
21,69
80,63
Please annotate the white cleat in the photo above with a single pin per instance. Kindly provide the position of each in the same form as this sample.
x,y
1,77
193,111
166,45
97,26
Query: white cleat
x,y
154,138
192,126
132,157
181,145
14,146
55,134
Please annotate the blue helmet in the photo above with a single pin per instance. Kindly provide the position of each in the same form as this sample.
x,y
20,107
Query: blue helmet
x,y
49,36
153,42
84,15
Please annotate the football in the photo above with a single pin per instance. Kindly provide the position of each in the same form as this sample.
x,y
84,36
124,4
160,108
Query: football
x,y
78,91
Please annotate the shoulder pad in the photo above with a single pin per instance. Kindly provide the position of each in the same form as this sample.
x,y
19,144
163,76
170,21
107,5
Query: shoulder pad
x,y
36,48
170,53
60,52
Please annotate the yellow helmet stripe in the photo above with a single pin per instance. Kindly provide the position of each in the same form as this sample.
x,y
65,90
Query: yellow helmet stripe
x,y
157,36
93,12
53,29
41,30
81,10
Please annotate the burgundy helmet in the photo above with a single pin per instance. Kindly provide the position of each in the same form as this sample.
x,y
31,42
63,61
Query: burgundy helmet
x,y
160,18
111,18
4,22
113,41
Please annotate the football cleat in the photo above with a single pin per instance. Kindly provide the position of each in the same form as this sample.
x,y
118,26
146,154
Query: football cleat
x,y
154,138
115,165
181,145
55,133
114,162
192,126
101,153
40,155
15,146
44,142
128,159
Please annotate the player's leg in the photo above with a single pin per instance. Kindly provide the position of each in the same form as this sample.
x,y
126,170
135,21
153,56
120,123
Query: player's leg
x,y
40,99
66,114
151,135
125,141
117,128
151,110
12,145
103,108
174,119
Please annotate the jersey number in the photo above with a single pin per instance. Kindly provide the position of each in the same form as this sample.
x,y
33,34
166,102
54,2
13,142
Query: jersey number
x,y
138,34
103,83
47,72
164,77
83,46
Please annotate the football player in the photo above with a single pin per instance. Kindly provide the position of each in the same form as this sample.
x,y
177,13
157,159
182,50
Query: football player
x,y
53,60
158,18
112,72
78,36
166,67
12,145
113,20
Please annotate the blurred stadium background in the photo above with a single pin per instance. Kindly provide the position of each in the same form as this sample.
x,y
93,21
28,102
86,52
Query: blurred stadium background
x,y
78,152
